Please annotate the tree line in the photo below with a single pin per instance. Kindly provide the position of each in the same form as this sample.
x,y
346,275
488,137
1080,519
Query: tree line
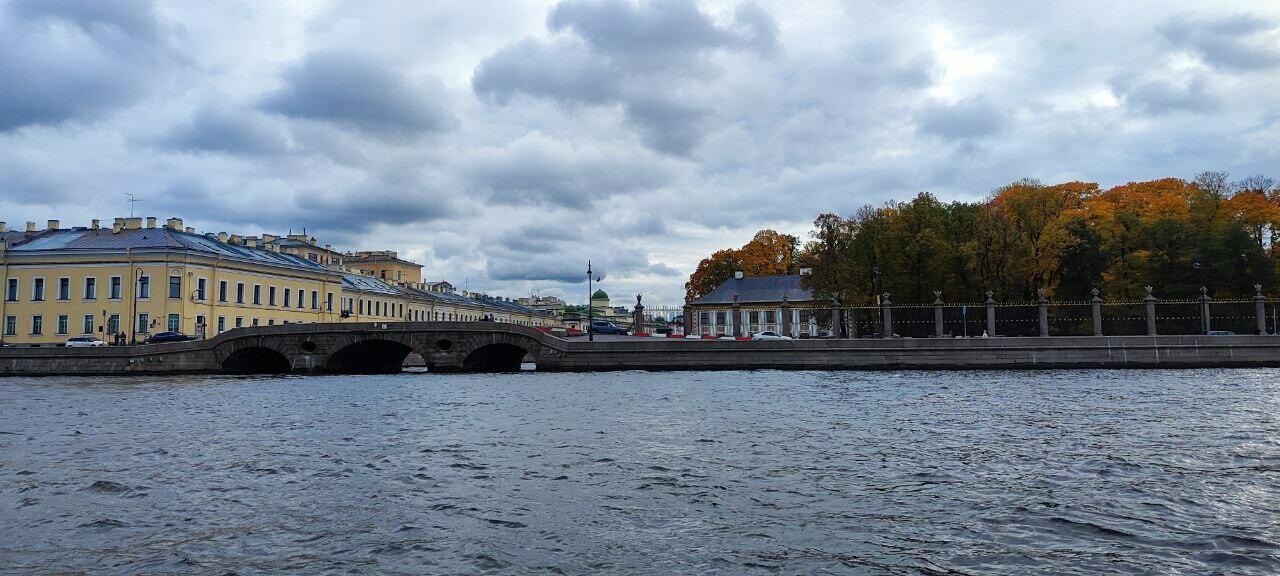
x,y
1066,239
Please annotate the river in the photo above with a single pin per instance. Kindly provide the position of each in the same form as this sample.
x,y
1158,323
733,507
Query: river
x,y
1025,472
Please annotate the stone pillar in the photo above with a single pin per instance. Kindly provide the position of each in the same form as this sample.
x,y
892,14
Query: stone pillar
x,y
1206,323
735,317
991,313
1151,312
637,319
688,319
837,323
1043,304
938,329
1097,313
1260,308
786,316
886,307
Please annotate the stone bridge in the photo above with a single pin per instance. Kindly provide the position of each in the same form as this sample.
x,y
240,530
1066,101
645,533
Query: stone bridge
x,y
494,347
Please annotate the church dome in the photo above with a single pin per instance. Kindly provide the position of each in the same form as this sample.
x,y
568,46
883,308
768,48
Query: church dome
x,y
600,295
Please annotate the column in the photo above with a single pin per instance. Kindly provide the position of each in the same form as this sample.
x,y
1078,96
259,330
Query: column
x,y
837,324
991,313
688,319
735,318
1206,324
1043,304
1097,313
786,317
1151,312
1260,308
937,313
886,307
637,319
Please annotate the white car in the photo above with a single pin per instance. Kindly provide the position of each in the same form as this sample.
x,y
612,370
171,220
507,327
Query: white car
x,y
84,342
769,335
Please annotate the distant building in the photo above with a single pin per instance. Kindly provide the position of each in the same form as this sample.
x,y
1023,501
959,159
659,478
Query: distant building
x,y
385,265
757,304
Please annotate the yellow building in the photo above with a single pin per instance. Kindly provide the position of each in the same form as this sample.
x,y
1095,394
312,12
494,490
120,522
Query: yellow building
x,y
140,279
384,265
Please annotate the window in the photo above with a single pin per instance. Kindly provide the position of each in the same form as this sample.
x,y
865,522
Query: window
x,y
202,328
257,294
286,297
328,302
37,290
362,306
11,293
10,325
200,288
90,288
144,287
315,300
239,292
175,287
37,325
239,322
174,323
113,323
271,296
254,322
222,324
144,323
271,321
222,290
64,288
63,321
301,294
770,316
88,326
115,288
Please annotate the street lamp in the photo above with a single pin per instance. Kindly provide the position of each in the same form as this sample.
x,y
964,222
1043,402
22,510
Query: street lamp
x,y
591,337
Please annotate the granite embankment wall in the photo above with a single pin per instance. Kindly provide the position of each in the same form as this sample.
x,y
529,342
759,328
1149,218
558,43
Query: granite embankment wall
x,y
555,354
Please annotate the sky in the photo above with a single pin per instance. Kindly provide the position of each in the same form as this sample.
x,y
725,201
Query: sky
x,y
503,144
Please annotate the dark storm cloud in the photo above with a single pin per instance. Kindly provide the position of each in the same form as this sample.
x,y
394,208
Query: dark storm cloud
x,y
1157,96
1241,42
364,206
224,130
629,54
51,75
968,119
361,93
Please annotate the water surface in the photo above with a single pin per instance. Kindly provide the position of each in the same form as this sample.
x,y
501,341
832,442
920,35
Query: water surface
x,y
1054,472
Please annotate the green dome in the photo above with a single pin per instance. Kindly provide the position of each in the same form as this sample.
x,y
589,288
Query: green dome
x,y
600,295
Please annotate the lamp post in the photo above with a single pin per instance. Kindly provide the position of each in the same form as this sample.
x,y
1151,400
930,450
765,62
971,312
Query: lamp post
x,y
137,283
591,337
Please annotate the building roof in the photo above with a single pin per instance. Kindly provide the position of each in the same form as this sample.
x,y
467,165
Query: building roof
x,y
600,295
105,240
367,284
758,289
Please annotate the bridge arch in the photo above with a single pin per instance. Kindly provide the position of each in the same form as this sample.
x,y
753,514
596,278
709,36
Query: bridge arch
x,y
495,357
372,356
256,360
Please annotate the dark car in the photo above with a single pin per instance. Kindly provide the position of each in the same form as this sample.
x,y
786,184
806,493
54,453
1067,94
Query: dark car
x,y
607,328
168,337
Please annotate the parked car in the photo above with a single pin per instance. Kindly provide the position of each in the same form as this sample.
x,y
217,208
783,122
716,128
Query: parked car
x,y
607,328
769,335
84,342
1220,333
168,337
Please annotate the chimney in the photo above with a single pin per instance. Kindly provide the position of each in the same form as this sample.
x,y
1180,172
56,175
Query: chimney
x,y
117,225
236,240
737,274
269,237
54,225
31,226
4,227
151,221
95,224
133,223
222,237
806,270
191,230
174,223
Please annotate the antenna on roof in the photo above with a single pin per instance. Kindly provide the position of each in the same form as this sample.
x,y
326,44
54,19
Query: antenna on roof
x,y
132,200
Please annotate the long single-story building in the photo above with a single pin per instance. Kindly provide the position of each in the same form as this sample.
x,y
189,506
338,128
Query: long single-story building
x,y
746,305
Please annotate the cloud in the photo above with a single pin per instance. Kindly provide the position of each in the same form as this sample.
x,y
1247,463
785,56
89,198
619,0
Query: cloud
x,y
224,130
361,93
63,61
968,119
1242,42
1158,96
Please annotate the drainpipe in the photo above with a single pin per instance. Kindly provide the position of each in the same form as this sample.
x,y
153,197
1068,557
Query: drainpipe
x,y
4,282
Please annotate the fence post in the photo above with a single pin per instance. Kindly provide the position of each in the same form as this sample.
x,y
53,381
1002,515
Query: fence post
x,y
991,313
1097,313
1043,304
1260,308
837,325
887,307
937,313
735,317
786,316
687,318
1150,300
1206,323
